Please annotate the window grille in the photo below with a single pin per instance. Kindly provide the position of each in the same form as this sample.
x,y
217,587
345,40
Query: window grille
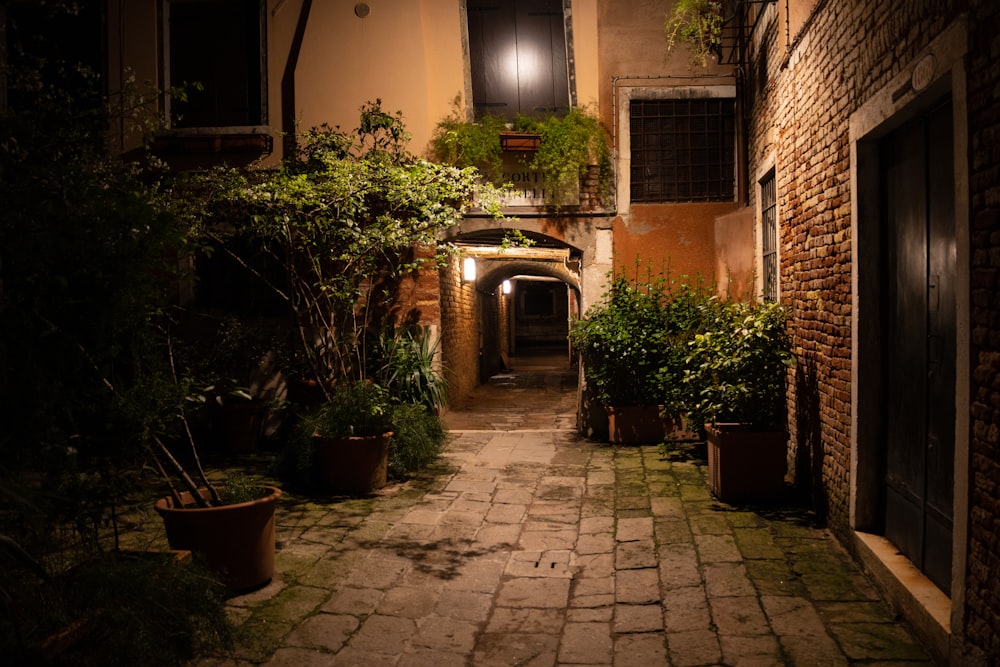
x,y
769,238
682,149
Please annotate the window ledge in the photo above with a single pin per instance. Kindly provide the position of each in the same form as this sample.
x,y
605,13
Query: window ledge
x,y
254,139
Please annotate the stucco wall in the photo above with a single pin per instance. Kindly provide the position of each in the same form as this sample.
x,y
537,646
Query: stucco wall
x,y
677,239
408,54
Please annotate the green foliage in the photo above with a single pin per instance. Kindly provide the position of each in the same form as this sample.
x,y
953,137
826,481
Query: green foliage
x,y
91,254
462,143
132,609
736,367
342,219
633,342
405,366
418,436
697,24
353,409
240,489
569,145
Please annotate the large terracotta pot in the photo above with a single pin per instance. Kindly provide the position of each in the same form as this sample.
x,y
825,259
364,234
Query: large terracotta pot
x,y
354,465
237,540
744,464
635,424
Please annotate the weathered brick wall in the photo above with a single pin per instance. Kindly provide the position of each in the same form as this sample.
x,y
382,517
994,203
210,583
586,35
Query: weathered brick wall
x,y
846,51
459,333
419,293
982,600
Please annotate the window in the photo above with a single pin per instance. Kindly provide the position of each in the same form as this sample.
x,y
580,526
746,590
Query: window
x,y
219,45
769,238
682,149
517,50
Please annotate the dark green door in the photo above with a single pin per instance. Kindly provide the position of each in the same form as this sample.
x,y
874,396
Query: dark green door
x,y
919,308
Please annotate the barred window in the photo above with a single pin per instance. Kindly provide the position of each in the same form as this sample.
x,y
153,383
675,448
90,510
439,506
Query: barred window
x,y
218,44
769,238
682,149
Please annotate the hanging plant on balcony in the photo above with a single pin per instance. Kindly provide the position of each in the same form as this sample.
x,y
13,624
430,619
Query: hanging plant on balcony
x,y
697,25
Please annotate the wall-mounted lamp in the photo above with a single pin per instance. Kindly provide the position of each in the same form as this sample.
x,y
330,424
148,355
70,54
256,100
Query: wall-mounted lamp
x,y
469,269
506,287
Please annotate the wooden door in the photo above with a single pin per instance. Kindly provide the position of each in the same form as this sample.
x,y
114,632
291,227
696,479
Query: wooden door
x,y
917,175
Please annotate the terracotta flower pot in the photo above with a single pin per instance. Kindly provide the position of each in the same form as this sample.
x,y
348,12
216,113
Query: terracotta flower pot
x,y
745,464
634,424
237,540
354,465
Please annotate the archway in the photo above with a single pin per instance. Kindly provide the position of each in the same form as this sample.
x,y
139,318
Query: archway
x,y
520,298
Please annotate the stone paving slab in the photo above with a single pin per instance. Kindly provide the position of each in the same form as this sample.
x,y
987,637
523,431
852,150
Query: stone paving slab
x,y
527,545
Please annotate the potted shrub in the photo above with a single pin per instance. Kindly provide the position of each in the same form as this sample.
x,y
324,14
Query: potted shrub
x,y
232,526
634,349
619,342
350,436
736,379
697,24
224,357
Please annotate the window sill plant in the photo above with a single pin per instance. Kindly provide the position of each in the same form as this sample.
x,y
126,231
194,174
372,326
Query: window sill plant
x,y
563,148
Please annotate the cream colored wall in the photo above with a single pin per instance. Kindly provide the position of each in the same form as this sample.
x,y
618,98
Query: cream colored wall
x,y
406,53
585,53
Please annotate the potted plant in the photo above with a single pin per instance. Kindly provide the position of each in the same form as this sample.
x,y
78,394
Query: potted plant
x,y
569,146
350,436
619,342
564,148
232,526
736,373
225,358
697,24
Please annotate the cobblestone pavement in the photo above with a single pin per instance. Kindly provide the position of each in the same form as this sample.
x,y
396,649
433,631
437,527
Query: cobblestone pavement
x,y
528,545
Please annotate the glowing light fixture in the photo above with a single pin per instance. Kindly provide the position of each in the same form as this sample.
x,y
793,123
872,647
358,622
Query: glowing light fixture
x,y
506,287
469,269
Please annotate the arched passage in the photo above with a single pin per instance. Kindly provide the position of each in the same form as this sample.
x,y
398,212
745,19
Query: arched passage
x,y
527,308
484,324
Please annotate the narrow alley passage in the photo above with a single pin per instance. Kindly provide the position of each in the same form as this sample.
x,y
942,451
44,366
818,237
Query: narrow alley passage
x,y
528,545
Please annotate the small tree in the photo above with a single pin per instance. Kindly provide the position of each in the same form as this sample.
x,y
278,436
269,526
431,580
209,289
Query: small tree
x,y
342,217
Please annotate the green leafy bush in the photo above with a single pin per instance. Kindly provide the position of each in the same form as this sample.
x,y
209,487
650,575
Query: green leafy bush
x,y
353,409
634,341
736,367
417,439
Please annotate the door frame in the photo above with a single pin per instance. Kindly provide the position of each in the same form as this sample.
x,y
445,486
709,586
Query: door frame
x,y
936,73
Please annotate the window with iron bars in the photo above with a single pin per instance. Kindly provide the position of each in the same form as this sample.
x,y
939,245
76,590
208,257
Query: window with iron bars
x,y
769,238
682,149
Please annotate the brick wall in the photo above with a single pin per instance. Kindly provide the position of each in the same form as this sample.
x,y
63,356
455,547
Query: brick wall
x,y
982,592
459,333
801,103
